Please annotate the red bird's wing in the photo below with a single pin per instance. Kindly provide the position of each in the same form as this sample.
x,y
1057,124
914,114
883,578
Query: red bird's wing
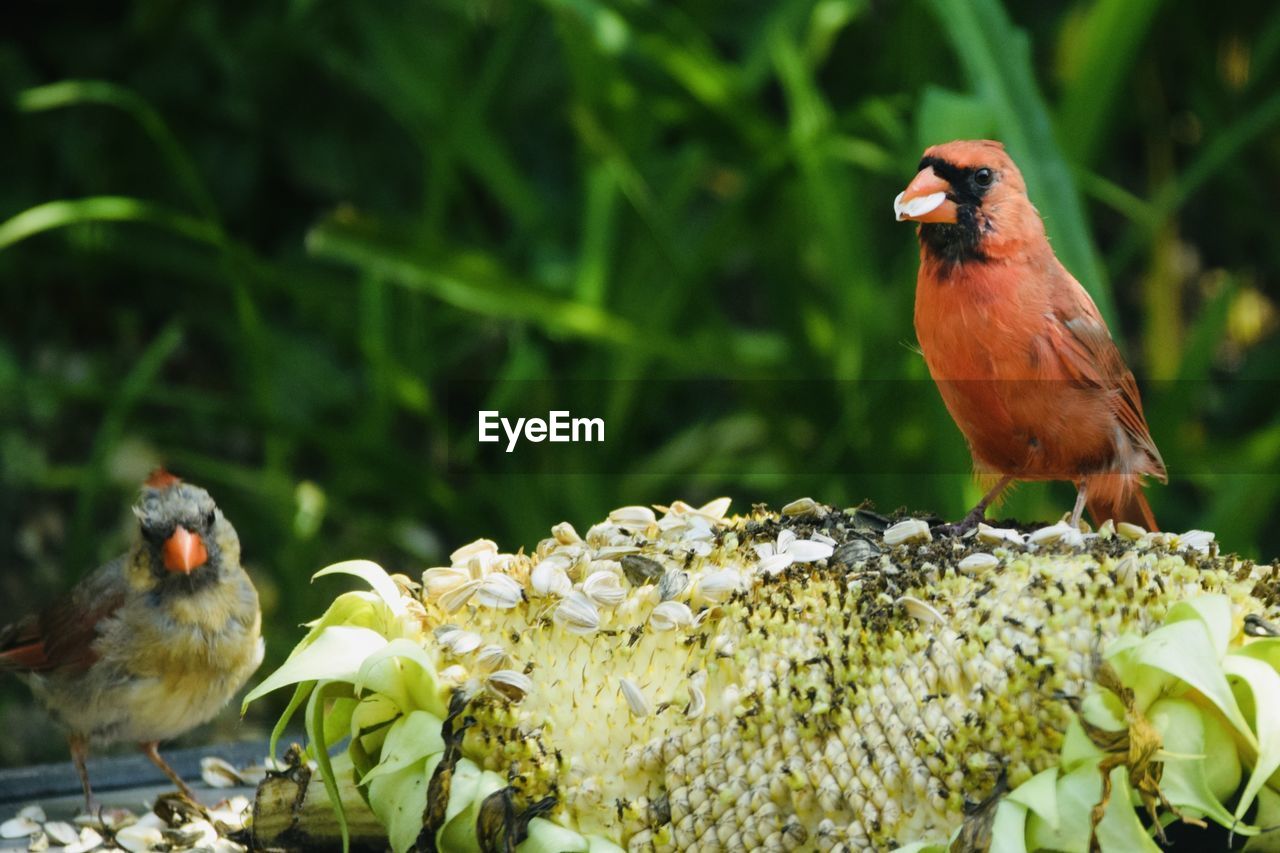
x,y
62,636
1079,337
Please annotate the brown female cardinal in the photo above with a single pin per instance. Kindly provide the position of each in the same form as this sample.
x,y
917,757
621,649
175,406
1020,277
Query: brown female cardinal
x,y
1023,359
151,644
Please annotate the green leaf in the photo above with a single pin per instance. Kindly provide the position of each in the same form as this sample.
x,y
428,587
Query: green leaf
x,y
548,837
412,737
399,799
300,695
1120,830
459,830
335,655
384,672
1268,816
355,609
1214,610
1263,683
319,749
1039,793
1185,780
372,574
1187,651
1009,829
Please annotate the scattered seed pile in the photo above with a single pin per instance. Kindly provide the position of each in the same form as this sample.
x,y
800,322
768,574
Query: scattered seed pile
x,y
173,825
813,679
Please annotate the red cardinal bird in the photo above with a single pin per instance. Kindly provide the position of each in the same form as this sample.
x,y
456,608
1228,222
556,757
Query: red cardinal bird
x,y
151,644
1022,357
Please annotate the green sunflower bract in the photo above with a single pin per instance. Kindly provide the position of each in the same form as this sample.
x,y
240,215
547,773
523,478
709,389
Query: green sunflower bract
x,y
806,680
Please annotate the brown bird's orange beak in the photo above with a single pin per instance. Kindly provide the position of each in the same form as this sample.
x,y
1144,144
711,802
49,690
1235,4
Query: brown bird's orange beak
x,y
184,551
925,199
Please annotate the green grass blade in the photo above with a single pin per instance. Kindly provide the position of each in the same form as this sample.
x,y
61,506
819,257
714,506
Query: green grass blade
x,y
52,215
72,93
1102,52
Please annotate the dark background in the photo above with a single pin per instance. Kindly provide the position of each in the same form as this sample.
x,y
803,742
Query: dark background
x,y
289,248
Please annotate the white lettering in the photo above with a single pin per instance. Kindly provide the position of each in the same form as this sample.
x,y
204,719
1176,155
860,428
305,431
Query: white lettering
x,y
587,425
486,424
559,426
513,435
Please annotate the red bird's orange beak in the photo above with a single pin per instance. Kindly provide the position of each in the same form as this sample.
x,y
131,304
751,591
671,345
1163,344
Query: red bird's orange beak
x,y
184,551
925,199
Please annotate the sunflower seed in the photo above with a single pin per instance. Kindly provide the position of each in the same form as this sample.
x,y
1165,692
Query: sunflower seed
x,y
605,588
577,613
978,562
456,598
640,516
550,578
634,696
501,592
908,530
670,615
509,684
641,570
672,584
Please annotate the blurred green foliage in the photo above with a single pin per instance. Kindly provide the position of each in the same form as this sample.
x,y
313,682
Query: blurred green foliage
x,y
274,245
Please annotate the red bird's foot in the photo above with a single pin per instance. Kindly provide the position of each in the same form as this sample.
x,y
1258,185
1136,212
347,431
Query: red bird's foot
x,y
79,757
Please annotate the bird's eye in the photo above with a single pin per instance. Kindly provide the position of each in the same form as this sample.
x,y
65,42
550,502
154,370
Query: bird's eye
x,y
983,177
209,519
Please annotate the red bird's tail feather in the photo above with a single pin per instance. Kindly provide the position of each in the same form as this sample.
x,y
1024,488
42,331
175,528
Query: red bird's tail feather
x,y
1128,505
24,658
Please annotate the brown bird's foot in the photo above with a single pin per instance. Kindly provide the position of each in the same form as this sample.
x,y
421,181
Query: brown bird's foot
x,y
79,757
971,520
975,516
151,750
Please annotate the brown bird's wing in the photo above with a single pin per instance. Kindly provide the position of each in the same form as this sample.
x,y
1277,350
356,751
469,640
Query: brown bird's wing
x,y
1079,337
62,635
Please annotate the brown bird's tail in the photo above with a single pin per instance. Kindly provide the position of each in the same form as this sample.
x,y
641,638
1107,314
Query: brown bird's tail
x,y
1120,498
